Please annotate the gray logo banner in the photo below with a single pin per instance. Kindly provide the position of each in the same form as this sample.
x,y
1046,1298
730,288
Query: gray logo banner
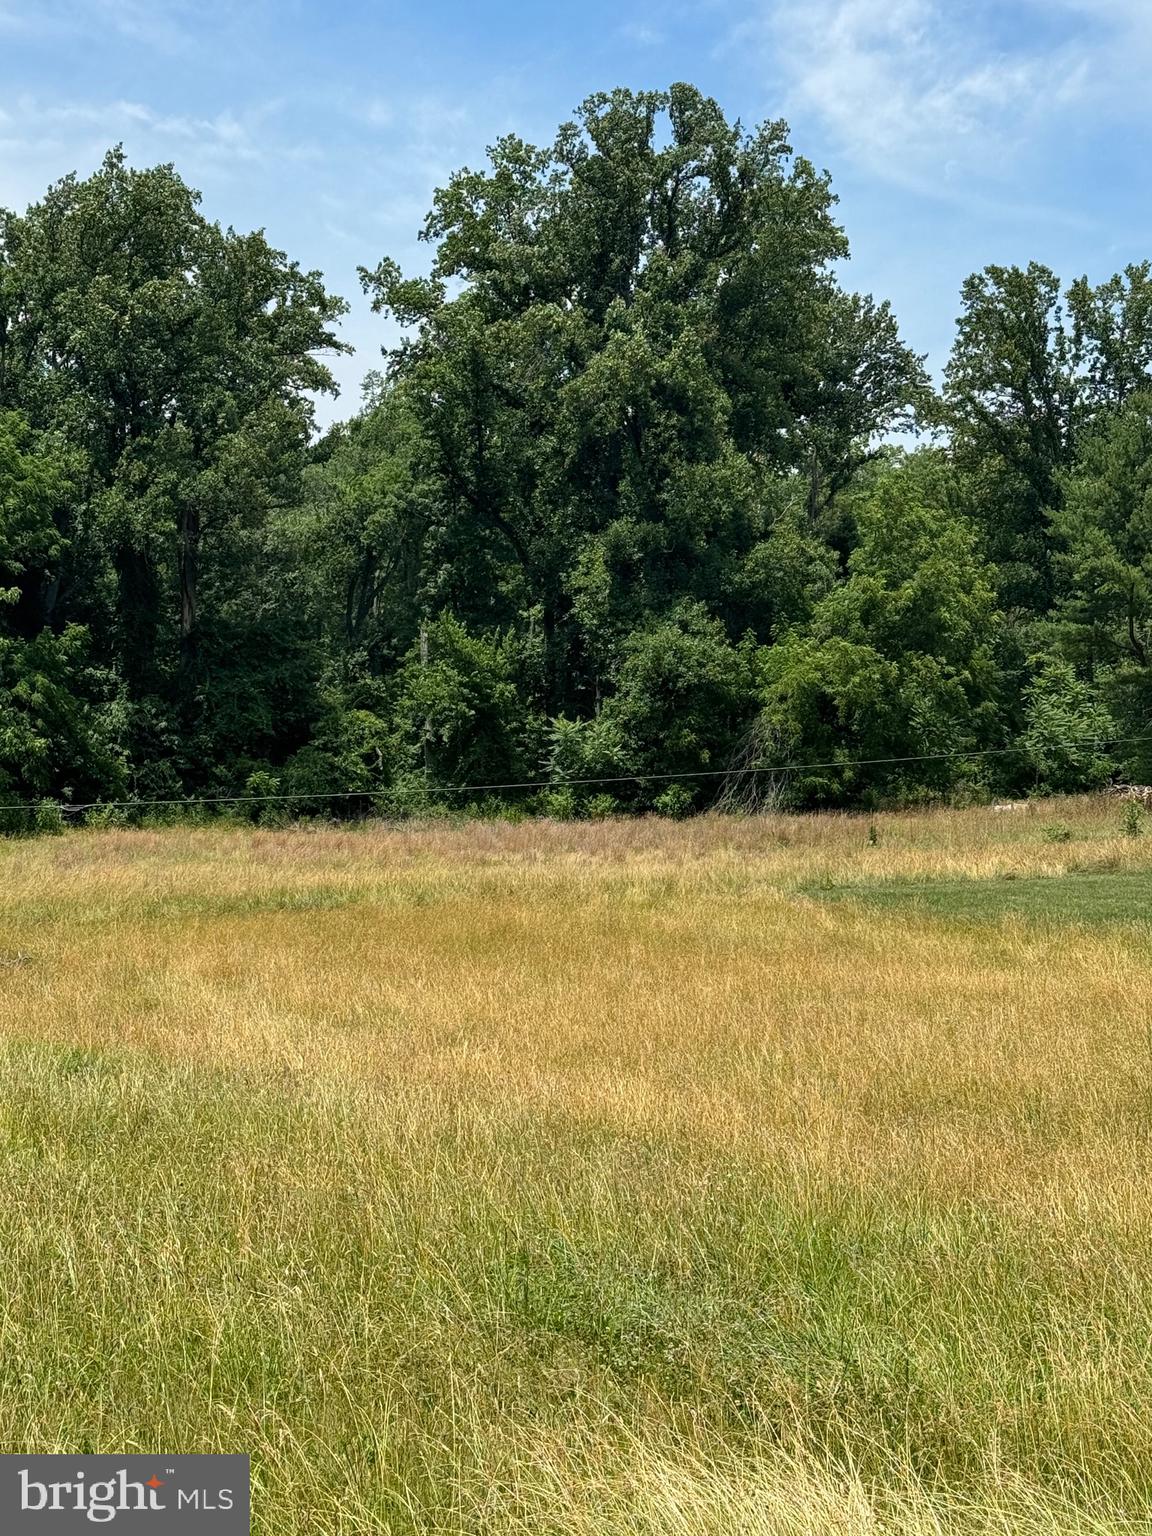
x,y
137,1495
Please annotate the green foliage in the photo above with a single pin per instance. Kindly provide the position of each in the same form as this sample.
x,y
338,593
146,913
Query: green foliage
x,y
49,818
1066,732
33,486
458,716
601,807
1009,397
619,506
410,798
614,351
166,367
1056,832
586,749
558,804
1132,819
785,574
261,790
897,661
676,801
684,694
104,816
50,740
349,762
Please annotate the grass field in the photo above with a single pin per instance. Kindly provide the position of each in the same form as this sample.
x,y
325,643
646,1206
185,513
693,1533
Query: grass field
x,y
721,1178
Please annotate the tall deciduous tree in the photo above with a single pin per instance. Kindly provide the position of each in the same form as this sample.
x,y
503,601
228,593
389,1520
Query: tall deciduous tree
x,y
49,740
175,360
623,335
900,660
1011,393
1112,335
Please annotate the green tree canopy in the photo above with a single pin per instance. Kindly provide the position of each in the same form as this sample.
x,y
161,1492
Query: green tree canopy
x,y
623,338
175,361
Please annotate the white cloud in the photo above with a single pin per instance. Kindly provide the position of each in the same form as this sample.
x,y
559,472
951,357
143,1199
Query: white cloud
x,y
641,35
928,91
377,113
163,25
41,140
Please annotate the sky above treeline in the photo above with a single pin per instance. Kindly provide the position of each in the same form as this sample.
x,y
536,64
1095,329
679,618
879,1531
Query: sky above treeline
x,y
957,132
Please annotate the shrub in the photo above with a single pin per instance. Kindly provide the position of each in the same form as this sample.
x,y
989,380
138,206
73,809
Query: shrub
x,y
267,812
492,808
17,819
457,714
1132,819
410,799
675,801
105,816
685,696
585,749
49,818
558,804
352,751
1065,726
600,807
1056,832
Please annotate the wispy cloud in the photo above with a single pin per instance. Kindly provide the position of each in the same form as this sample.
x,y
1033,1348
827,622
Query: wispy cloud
x,y
931,93
163,25
40,140
641,35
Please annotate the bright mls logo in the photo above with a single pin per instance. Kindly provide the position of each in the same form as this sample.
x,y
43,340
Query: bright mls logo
x,y
145,1495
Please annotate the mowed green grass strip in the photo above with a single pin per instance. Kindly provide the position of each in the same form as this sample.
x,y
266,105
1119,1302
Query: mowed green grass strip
x,y
1121,899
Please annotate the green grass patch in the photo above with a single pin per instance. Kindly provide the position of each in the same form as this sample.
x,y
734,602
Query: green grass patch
x,y
1116,900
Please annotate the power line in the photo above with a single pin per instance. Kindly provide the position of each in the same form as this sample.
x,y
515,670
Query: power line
x,y
624,778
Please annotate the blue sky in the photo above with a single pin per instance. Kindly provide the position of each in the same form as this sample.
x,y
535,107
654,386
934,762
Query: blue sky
x,y
958,132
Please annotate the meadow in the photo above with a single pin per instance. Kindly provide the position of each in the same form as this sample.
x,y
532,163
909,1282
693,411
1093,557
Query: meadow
x,y
779,1176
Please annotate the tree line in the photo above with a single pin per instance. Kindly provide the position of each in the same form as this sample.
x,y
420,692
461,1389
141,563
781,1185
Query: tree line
x,y
645,497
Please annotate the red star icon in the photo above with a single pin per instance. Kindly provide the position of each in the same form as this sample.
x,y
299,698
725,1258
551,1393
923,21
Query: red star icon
x,y
154,1482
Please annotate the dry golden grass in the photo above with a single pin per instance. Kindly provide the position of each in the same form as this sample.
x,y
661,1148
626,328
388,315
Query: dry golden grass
x,y
585,1178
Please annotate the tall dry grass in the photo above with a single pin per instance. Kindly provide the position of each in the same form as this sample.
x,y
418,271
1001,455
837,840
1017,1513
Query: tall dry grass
x,y
584,1178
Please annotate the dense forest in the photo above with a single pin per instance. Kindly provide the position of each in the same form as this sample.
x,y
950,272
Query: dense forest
x,y
645,505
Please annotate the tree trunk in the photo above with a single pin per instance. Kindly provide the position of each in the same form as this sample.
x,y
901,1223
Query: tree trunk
x,y
189,587
138,611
